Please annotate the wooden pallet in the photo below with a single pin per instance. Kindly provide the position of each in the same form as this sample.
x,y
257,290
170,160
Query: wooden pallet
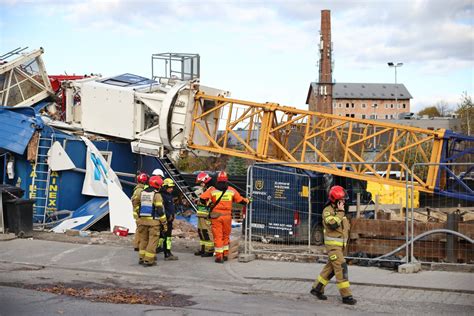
x,y
378,237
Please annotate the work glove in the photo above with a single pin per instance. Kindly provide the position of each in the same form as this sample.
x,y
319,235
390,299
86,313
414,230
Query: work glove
x,y
340,206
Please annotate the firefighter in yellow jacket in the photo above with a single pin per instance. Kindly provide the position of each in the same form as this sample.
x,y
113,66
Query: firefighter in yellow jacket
x,y
151,219
142,183
206,241
336,233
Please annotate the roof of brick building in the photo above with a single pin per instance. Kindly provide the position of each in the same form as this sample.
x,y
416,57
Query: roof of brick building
x,y
379,91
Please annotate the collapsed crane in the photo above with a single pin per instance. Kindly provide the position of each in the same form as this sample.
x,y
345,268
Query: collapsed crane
x,y
172,112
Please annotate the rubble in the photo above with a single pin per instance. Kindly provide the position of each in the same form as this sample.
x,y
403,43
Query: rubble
x,y
183,229
115,295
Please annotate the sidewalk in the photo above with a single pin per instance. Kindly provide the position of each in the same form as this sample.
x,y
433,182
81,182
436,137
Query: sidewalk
x,y
381,290
432,280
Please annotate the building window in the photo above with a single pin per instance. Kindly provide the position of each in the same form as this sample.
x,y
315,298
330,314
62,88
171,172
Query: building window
x,y
386,106
352,105
334,105
398,106
352,115
386,116
363,105
107,156
347,105
404,106
340,105
375,105
347,115
363,116
391,106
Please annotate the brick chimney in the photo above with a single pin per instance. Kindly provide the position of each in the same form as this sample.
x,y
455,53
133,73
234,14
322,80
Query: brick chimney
x,y
324,85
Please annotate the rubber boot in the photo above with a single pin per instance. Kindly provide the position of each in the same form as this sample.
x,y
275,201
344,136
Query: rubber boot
x,y
349,300
207,254
219,258
226,255
169,256
318,292
200,252
140,261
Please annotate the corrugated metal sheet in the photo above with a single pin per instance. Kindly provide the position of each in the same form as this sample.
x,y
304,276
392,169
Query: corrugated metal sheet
x,y
86,215
16,128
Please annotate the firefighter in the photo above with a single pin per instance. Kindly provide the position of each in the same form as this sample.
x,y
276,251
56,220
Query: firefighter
x,y
151,219
221,198
142,183
164,244
158,172
336,233
204,222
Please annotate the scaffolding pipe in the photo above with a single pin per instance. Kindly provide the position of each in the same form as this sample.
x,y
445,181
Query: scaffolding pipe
x,y
434,231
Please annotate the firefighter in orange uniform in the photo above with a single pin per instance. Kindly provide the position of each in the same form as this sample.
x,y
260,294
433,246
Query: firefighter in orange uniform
x,y
221,196
336,233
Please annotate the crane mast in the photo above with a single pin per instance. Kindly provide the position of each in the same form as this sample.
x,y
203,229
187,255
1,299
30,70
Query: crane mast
x,y
273,133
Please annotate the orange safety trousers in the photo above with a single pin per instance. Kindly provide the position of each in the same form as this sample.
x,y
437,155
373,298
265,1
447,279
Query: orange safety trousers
x,y
221,229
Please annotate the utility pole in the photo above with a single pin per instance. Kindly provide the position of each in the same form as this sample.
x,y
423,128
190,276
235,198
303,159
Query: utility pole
x,y
393,65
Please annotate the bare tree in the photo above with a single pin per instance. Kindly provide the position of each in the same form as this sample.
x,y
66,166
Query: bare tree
x,y
465,111
444,108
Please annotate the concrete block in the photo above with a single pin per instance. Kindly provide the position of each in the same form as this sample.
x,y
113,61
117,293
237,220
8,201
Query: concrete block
x,y
409,267
243,257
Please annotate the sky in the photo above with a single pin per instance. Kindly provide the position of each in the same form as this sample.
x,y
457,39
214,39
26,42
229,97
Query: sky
x,y
262,51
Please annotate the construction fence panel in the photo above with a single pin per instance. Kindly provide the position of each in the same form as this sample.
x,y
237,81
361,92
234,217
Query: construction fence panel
x,y
442,224
279,216
285,216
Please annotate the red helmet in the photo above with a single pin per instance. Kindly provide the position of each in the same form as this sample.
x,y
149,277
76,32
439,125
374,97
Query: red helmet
x,y
203,177
222,177
337,193
142,178
156,182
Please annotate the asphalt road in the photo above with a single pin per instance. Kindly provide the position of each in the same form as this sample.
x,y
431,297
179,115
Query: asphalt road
x,y
258,288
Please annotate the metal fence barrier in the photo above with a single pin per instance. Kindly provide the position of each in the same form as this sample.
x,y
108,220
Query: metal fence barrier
x,y
285,215
442,227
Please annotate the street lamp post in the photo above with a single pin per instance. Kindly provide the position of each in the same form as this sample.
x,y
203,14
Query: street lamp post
x,y
374,117
395,65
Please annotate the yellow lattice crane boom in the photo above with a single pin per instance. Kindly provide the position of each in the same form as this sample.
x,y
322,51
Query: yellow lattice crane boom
x,y
269,132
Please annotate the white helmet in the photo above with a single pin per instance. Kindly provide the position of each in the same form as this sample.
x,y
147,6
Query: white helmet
x,y
158,172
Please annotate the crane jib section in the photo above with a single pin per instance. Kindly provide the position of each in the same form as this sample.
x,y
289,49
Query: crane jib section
x,y
269,132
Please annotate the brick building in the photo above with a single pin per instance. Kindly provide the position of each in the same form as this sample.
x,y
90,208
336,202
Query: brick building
x,y
363,100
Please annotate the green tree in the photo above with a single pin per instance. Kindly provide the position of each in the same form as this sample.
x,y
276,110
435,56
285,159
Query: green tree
x,y
236,166
465,112
431,111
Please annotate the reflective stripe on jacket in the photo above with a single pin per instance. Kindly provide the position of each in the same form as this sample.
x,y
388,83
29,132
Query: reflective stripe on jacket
x,y
137,191
151,204
336,227
225,204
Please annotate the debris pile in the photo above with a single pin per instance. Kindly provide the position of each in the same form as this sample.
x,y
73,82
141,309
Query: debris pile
x,y
183,229
115,295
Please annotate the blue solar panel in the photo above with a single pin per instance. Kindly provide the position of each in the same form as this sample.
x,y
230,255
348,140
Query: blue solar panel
x,y
128,80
